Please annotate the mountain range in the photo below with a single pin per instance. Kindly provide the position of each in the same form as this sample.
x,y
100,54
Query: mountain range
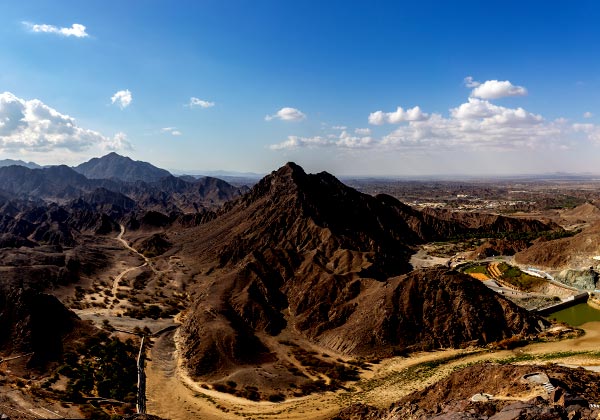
x,y
11,162
148,186
260,275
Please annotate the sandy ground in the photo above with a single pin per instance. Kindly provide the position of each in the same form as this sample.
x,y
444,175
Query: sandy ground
x,y
172,394
112,311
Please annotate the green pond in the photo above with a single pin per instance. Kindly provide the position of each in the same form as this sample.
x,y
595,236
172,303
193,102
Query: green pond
x,y
577,315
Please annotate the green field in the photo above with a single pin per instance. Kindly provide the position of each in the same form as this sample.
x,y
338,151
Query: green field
x,y
479,268
519,279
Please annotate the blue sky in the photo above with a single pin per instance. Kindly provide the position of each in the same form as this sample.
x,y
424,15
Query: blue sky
x,y
316,82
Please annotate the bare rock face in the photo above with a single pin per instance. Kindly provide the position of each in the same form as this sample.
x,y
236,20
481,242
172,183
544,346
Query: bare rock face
x,y
582,279
156,244
308,255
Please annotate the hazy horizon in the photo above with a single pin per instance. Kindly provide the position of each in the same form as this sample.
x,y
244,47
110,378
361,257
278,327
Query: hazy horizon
x,y
362,89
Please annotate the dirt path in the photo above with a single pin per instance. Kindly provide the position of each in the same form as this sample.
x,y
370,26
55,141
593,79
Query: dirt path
x,y
114,315
135,251
116,281
173,394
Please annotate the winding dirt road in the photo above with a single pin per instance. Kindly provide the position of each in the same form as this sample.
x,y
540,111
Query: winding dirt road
x,y
135,251
114,315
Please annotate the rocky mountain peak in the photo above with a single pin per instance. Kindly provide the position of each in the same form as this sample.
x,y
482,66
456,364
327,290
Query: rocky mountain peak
x,y
120,167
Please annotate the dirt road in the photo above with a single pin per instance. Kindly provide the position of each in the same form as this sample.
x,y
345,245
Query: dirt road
x,y
135,251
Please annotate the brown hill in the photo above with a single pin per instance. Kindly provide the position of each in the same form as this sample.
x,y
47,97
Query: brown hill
x,y
306,257
495,247
571,252
584,213
467,223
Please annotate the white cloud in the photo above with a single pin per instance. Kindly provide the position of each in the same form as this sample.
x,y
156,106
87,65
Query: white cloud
x,y
122,98
592,131
400,115
287,114
294,142
118,142
77,30
494,89
32,126
343,140
362,131
469,82
476,124
339,127
490,113
171,130
195,102
588,114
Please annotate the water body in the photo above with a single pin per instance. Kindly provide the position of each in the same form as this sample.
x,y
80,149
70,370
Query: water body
x,y
577,315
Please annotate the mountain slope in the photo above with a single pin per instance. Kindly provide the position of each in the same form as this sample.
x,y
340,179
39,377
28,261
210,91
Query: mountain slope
x,y
305,256
114,166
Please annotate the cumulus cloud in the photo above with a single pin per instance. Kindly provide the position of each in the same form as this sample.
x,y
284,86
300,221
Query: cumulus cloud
x,y
118,142
588,114
398,116
493,114
287,114
339,127
476,124
343,140
122,98
494,89
294,142
171,130
31,125
196,102
77,30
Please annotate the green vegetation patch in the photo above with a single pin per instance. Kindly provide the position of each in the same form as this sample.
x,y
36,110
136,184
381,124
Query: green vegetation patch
x,y
478,268
101,366
522,281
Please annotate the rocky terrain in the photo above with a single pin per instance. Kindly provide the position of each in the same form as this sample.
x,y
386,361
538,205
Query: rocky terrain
x,y
500,392
575,252
297,286
305,257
